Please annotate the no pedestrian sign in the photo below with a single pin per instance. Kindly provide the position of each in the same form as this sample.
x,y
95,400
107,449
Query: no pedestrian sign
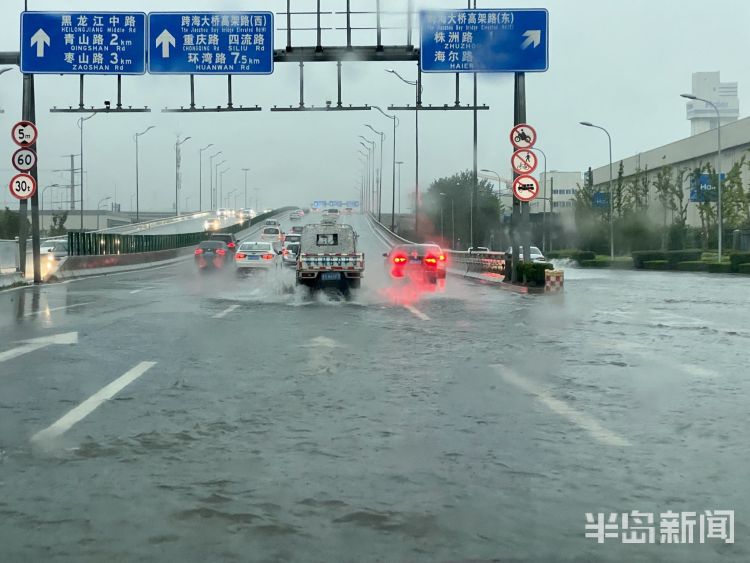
x,y
524,161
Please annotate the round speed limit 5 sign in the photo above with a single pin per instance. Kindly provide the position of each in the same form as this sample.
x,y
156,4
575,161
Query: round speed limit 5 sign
x,y
22,186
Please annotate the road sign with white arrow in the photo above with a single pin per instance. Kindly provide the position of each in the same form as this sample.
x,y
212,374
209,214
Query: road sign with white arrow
x,y
511,40
83,42
210,42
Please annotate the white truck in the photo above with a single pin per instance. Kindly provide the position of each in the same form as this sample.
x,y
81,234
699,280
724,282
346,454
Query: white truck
x,y
328,258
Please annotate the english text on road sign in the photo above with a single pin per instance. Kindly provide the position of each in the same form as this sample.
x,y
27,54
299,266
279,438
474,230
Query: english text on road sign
x,y
22,186
24,159
524,161
523,136
484,40
525,188
83,42
210,42
24,133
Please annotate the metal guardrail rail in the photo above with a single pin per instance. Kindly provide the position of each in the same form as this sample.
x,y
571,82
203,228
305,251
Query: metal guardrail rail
x,y
99,244
146,225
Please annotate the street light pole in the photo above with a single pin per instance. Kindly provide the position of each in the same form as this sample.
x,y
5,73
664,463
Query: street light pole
x,y
211,179
245,170
137,196
544,201
217,201
380,170
221,184
177,178
393,170
399,162
611,193
200,177
719,214
80,126
98,207
373,186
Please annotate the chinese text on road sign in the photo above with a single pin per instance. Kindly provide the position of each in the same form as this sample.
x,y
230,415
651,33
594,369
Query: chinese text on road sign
x,y
83,43
484,41
210,42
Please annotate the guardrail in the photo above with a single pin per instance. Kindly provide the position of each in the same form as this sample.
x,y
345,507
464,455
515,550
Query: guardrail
x,y
146,225
470,261
100,244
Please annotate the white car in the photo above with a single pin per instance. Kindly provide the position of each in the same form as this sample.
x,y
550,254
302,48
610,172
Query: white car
x,y
211,225
257,255
536,254
271,234
223,212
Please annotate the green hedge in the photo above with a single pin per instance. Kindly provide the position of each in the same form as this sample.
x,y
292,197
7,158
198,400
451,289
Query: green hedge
x,y
582,255
676,256
744,268
655,265
739,258
640,257
533,272
719,268
598,263
692,266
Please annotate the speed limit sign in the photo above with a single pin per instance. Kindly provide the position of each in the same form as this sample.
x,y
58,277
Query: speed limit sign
x,y
24,133
24,160
22,186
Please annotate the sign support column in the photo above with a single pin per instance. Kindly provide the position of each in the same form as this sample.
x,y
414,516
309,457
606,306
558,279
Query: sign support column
x,y
29,114
517,222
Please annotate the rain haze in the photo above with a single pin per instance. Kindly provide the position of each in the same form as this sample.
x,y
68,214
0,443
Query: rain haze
x,y
607,64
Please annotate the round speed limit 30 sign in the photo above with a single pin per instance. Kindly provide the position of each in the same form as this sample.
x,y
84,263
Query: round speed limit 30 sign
x,y
22,186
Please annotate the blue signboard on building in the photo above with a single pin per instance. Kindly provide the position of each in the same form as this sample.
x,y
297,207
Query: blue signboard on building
x,y
330,203
83,42
210,42
600,199
702,191
513,40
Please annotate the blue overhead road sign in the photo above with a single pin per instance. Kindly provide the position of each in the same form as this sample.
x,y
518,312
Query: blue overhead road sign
x,y
210,42
83,42
513,40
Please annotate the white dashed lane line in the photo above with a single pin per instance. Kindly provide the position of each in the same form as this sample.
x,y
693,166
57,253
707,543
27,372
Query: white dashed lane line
x,y
225,312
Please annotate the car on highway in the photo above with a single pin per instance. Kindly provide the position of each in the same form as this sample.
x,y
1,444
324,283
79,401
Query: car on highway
x,y
272,223
272,234
211,225
292,237
289,254
223,212
348,210
536,254
330,216
297,230
245,214
423,263
475,249
296,215
227,238
254,256
211,255
54,251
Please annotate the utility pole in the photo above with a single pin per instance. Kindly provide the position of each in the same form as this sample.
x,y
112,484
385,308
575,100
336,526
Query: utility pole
x,y
177,177
29,114
245,170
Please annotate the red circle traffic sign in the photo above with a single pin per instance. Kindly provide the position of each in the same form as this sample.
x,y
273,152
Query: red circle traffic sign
x,y
22,186
24,133
523,136
524,161
24,159
525,188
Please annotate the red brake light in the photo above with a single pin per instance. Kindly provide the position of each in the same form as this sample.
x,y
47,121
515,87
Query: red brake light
x,y
198,251
442,258
268,257
230,245
240,255
399,259
221,251
430,260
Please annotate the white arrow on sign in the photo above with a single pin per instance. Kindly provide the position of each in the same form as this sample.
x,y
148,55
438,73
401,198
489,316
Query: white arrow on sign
x,y
164,40
38,343
40,39
533,36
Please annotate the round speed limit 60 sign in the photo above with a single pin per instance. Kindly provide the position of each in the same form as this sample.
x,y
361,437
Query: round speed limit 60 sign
x,y
24,160
22,186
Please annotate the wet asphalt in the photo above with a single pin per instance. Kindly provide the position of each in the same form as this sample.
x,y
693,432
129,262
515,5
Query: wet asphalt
x,y
466,424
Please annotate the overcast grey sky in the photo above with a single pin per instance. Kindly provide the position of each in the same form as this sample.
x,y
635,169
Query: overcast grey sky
x,y
618,63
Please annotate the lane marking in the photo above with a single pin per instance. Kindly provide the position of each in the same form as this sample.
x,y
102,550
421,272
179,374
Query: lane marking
x,y
35,344
225,312
141,289
580,419
416,312
61,308
88,406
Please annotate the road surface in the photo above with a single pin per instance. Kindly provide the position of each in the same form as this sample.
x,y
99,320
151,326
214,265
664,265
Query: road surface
x,y
175,416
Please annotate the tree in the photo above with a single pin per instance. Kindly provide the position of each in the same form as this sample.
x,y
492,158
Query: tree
x,y
734,199
619,191
664,187
458,190
9,224
58,224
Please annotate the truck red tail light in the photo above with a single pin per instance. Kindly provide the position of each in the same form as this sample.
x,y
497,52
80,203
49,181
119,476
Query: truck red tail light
x,y
198,251
441,257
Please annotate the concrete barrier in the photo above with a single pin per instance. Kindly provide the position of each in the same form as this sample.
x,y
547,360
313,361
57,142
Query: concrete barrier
x,y
9,260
